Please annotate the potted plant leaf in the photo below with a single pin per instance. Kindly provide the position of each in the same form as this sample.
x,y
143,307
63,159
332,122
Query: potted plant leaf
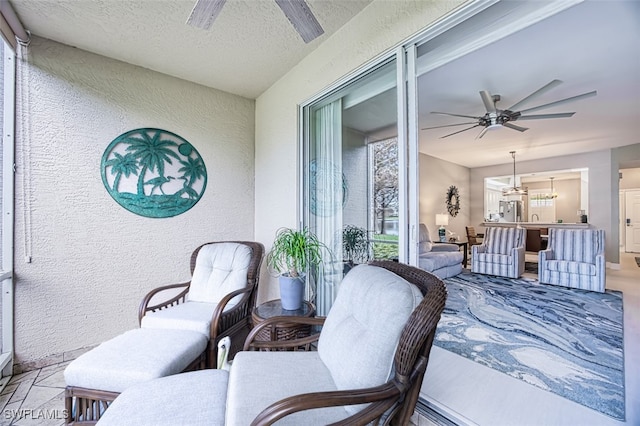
x,y
294,252
355,246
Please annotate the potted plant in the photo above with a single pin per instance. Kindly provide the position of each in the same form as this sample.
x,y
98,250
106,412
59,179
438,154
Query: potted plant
x,y
355,246
294,252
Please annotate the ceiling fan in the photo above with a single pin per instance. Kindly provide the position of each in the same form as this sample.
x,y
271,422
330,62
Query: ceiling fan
x,y
297,12
496,118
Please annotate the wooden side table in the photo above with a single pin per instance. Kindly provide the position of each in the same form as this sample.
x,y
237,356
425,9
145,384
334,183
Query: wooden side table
x,y
283,331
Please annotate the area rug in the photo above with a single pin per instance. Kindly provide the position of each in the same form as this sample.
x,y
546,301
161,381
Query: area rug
x,y
562,340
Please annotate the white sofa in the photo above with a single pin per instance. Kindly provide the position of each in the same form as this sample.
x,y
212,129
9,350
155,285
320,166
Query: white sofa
x,y
441,259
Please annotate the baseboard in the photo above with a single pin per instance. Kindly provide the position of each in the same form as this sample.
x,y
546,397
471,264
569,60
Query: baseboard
x,y
614,266
440,415
23,367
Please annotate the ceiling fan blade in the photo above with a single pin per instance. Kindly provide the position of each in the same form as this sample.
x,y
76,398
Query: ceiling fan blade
x,y
204,12
459,131
481,134
538,92
446,125
543,116
302,19
514,127
561,101
455,115
487,99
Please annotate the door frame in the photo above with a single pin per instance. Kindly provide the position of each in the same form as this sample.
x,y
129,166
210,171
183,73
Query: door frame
x,y
624,216
8,177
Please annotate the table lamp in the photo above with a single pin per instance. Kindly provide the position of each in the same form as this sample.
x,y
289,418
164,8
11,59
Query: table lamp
x,y
442,220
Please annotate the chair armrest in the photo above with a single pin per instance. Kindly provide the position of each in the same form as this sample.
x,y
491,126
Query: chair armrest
x,y
220,315
282,321
479,248
544,255
179,298
381,397
444,247
518,251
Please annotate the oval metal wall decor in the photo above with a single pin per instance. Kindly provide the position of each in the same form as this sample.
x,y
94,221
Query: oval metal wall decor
x,y
153,173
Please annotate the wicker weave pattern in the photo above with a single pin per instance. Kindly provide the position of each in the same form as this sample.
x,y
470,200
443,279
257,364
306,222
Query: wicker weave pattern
x,y
394,401
234,322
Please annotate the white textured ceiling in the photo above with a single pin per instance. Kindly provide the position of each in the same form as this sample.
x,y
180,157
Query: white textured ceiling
x,y
594,45
249,47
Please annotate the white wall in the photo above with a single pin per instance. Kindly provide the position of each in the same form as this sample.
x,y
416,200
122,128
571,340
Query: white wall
x,y
630,178
603,212
92,260
378,28
436,176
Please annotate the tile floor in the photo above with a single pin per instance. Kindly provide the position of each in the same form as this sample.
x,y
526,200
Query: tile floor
x,y
36,398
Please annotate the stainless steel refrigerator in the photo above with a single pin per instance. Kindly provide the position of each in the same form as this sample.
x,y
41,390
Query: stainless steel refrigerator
x,y
510,211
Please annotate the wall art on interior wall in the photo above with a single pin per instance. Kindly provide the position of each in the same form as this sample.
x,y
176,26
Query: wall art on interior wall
x,y
153,173
453,200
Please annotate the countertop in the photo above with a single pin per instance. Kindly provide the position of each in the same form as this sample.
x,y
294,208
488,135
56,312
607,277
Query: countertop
x,y
538,224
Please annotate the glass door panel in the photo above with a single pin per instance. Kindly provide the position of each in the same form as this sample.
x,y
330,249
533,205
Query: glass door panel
x,y
339,175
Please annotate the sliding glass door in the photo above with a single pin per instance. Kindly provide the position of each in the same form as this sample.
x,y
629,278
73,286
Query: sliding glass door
x,y
350,176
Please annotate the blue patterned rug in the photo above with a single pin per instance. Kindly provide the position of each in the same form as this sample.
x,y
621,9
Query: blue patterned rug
x,y
562,340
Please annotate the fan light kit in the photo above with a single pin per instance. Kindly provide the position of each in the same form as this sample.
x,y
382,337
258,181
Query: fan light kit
x,y
514,190
297,12
496,118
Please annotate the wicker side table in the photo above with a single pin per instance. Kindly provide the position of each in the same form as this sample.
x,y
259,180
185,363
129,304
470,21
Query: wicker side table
x,y
273,308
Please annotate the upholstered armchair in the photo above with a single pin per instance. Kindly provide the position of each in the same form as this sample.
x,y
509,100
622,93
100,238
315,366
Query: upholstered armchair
x,y
372,354
218,299
501,252
441,259
574,258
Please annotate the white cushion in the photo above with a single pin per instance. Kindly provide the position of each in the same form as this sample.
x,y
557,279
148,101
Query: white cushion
x,y
220,269
359,337
258,379
424,244
136,356
436,260
193,316
196,398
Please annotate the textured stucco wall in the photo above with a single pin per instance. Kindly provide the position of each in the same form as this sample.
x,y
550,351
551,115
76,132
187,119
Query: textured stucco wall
x,y
91,261
379,27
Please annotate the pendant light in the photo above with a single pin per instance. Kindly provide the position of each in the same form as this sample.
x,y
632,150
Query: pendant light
x,y
552,194
514,190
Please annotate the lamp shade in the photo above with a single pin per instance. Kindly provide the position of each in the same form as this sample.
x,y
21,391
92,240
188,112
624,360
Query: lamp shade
x,y
442,219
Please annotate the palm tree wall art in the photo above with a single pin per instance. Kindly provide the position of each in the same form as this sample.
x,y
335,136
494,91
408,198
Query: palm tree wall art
x,y
153,173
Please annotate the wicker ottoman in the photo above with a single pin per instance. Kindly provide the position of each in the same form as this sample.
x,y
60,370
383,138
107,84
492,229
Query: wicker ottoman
x,y
97,377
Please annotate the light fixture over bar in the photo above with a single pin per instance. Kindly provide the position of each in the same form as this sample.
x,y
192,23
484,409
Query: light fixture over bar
x,y
514,190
